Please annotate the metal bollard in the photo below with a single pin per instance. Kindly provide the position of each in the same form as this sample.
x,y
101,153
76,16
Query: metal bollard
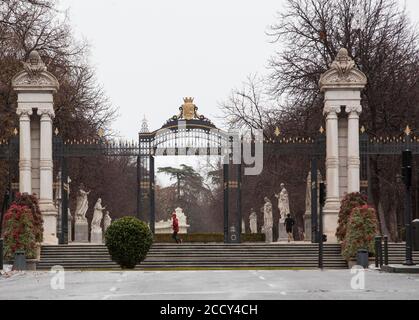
x,y
386,250
377,250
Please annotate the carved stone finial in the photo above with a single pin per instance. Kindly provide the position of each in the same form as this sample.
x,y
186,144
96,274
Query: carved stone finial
x,y
34,65
34,74
343,73
343,63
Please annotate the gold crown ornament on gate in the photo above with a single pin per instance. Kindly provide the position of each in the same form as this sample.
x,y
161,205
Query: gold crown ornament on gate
x,y
188,110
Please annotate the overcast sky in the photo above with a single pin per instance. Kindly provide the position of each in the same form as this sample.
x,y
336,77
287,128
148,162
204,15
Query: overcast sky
x,y
150,54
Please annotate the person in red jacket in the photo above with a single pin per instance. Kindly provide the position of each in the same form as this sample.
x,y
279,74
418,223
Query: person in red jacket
x,y
175,227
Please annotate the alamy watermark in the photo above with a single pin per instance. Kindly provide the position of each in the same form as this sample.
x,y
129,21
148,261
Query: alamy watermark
x,y
235,148
358,280
57,281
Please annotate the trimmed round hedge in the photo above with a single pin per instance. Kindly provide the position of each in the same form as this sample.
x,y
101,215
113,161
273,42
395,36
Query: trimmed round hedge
x,y
128,240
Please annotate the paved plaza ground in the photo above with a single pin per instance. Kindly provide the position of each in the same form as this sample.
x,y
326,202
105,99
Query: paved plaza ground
x,y
199,285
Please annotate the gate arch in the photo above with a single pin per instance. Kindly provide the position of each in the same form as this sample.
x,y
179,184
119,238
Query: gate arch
x,y
189,134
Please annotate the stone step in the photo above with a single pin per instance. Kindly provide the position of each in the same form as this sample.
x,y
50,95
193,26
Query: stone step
x,y
172,256
200,246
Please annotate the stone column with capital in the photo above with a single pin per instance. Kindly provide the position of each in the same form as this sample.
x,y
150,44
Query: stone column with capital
x,y
25,152
332,159
46,202
35,87
354,161
341,84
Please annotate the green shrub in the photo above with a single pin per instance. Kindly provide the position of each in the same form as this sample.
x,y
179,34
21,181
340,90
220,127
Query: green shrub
x,y
18,232
128,240
361,230
348,203
31,201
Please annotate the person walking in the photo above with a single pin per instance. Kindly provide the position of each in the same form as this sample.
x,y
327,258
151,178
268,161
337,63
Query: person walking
x,y
175,227
289,224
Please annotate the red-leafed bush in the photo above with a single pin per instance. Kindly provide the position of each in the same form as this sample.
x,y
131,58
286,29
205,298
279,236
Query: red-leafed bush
x,y
361,230
19,234
31,201
348,204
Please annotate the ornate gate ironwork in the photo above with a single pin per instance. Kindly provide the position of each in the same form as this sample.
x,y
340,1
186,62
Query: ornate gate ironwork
x,y
312,147
190,134
389,145
9,152
65,150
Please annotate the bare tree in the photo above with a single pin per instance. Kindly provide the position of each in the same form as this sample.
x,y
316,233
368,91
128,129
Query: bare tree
x,y
81,105
308,35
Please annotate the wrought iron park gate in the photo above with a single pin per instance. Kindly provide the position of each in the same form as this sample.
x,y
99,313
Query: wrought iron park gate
x,y
371,145
186,134
311,148
190,134
9,154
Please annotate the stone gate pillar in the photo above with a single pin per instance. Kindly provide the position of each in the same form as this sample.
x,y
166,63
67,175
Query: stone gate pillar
x,y
342,85
35,87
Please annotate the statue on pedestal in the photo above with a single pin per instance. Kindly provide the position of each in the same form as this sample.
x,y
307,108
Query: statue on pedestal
x,y
253,221
82,205
96,230
268,220
81,226
97,216
284,210
283,203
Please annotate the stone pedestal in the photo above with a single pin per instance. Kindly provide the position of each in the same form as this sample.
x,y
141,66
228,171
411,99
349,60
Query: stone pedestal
x,y
282,232
253,226
81,232
96,237
268,235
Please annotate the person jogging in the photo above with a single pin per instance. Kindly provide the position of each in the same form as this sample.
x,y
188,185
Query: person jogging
x,y
175,227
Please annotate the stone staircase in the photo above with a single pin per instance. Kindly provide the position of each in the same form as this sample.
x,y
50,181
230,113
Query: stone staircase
x,y
172,256
396,254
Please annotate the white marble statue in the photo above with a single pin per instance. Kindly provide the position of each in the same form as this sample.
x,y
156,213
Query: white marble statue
x,y
107,220
268,220
97,216
283,203
165,226
308,194
82,205
253,221
284,210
